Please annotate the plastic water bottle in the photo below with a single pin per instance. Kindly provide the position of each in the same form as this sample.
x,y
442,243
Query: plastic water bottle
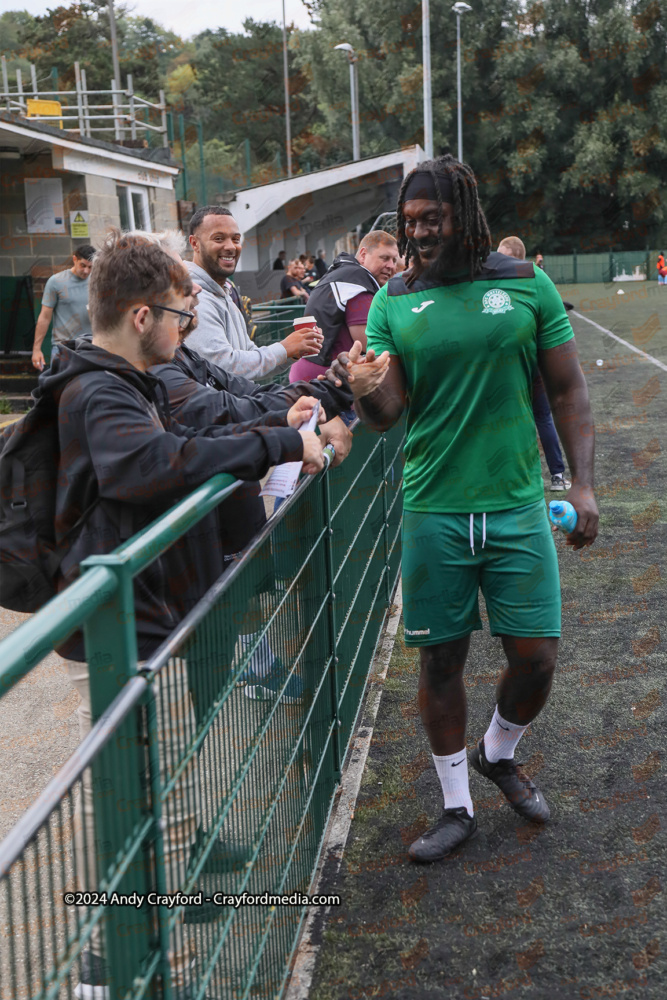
x,y
563,515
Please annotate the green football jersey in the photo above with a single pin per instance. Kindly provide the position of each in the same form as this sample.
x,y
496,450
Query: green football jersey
x,y
469,352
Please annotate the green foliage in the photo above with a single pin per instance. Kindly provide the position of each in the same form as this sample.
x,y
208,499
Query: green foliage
x,y
241,91
80,33
562,101
13,24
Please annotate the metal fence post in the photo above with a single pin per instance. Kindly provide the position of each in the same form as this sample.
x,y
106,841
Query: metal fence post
x,y
19,90
181,128
33,79
202,166
248,166
163,912
54,81
130,94
385,525
120,795
114,101
163,118
331,614
5,81
79,102
84,91
574,265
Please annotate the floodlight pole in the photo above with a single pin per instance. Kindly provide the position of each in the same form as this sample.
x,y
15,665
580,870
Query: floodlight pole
x,y
119,133
459,8
288,124
353,59
354,96
114,44
426,60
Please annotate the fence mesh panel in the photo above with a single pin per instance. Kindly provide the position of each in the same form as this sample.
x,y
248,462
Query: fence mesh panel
x,y
213,771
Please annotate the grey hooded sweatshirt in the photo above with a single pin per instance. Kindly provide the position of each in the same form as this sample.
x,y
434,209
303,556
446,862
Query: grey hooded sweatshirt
x,y
221,336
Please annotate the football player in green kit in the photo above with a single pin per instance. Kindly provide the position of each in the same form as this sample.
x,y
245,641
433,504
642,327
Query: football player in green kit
x,y
465,328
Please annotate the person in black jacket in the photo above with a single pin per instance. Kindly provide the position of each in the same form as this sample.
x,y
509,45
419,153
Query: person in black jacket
x,y
341,299
120,446
189,379
320,264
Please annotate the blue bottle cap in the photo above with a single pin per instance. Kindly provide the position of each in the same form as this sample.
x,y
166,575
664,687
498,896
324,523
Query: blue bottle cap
x,y
557,508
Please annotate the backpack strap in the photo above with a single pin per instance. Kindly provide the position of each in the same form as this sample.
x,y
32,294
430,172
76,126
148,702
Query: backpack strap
x,y
18,486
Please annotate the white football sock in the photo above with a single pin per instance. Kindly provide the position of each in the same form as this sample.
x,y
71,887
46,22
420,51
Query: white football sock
x,y
261,661
453,773
501,738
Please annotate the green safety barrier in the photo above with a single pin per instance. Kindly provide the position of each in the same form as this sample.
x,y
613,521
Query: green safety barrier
x,y
273,321
585,268
185,784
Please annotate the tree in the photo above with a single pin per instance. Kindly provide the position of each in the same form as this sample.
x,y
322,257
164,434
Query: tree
x,y
80,33
561,107
240,90
13,24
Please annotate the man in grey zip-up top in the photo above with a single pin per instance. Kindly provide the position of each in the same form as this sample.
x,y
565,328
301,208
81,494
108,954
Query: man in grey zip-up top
x,y
222,336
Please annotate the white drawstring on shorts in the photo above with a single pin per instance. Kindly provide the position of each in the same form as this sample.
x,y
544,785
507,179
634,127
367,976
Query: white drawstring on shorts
x,y
472,532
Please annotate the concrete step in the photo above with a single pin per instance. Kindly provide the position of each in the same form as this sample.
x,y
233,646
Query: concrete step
x,y
21,384
15,364
15,403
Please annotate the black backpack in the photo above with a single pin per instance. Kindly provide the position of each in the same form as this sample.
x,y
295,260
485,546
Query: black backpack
x,y
29,554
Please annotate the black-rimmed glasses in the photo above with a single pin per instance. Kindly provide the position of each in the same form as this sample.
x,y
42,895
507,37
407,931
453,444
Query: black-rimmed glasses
x,y
183,322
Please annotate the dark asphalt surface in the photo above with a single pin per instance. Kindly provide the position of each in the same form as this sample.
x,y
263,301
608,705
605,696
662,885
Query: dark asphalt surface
x,y
575,909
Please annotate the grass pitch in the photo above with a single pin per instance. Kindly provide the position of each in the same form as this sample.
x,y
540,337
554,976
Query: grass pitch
x,y
575,909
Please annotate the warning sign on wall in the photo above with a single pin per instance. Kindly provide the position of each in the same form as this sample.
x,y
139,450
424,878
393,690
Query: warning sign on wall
x,y
78,224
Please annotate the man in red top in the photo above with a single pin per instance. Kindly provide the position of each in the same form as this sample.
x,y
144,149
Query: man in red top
x,y
662,269
378,254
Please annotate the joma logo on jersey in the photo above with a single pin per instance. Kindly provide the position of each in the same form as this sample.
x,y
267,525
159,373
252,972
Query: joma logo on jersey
x,y
496,301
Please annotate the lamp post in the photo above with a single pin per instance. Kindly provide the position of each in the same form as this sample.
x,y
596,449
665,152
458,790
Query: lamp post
x,y
114,44
459,8
116,66
426,60
353,58
288,124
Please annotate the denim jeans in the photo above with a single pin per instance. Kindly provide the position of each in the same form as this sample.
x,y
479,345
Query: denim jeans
x,y
546,429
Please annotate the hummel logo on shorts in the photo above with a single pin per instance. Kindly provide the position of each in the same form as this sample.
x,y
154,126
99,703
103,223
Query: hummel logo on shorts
x,y
418,309
421,631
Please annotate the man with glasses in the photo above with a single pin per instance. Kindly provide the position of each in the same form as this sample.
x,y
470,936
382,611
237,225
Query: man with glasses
x,y
123,461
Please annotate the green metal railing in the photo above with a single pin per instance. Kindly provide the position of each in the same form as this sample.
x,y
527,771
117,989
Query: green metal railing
x,y
185,782
273,320
583,268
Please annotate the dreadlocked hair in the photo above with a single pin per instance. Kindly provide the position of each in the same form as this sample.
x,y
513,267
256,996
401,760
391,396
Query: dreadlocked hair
x,y
468,215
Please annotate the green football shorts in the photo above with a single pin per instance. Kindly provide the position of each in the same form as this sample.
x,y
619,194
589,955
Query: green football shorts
x,y
510,554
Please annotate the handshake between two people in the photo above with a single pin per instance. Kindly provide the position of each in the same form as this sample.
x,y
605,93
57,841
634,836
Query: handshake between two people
x,y
363,373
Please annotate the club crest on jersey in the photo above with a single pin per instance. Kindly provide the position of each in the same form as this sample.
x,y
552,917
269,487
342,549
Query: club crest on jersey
x,y
496,301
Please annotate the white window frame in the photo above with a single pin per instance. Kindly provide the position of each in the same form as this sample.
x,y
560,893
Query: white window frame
x,y
131,189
